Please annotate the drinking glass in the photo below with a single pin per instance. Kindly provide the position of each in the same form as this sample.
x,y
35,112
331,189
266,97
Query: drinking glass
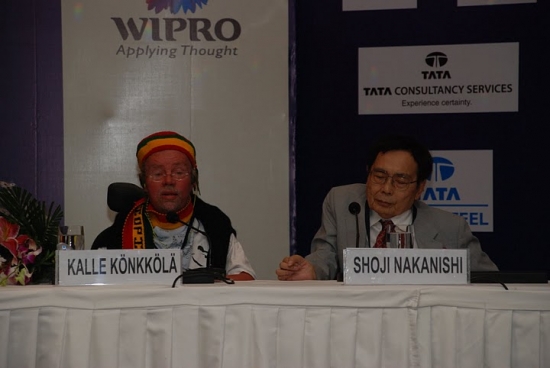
x,y
73,236
401,236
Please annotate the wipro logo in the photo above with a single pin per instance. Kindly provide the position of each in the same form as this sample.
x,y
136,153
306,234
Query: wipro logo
x,y
443,169
178,29
175,5
436,60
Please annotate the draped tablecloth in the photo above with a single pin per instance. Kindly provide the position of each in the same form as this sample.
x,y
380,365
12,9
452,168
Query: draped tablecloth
x,y
275,324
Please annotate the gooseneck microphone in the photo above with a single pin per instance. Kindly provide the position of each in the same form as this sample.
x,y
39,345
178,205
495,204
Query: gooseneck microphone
x,y
203,275
354,208
173,218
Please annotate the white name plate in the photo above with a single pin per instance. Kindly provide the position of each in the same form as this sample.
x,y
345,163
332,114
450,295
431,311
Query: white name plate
x,y
364,266
107,266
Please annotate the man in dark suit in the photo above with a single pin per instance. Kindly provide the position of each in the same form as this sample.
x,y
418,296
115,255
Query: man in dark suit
x,y
398,168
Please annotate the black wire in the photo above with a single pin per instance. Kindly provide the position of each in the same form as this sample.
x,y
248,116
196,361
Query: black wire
x,y
214,275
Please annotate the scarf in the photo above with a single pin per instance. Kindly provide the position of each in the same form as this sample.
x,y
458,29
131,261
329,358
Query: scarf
x,y
142,218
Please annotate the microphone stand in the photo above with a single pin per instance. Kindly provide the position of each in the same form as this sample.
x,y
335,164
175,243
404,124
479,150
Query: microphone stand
x,y
354,208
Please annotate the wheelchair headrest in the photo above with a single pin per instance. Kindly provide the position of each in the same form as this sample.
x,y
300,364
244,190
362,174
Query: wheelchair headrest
x,y
122,196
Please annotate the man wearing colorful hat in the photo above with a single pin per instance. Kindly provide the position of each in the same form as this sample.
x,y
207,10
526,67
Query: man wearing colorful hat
x,y
169,175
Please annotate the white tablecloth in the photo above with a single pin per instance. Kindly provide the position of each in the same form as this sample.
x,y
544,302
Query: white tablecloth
x,y
275,324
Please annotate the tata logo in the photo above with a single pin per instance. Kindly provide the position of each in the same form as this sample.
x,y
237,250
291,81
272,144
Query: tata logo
x,y
377,91
436,60
175,5
443,169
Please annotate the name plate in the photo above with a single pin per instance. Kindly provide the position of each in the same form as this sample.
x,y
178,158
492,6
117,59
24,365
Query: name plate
x,y
108,266
363,266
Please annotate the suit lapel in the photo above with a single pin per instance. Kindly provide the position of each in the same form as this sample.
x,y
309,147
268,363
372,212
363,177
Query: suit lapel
x,y
424,231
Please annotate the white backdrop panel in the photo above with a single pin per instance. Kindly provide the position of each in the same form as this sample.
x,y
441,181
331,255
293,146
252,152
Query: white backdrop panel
x,y
233,108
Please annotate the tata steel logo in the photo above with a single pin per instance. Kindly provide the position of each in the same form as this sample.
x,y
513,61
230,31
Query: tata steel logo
x,y
436,60
443,169
175,5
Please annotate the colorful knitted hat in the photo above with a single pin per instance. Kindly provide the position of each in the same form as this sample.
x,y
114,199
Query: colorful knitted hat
x,y
162,141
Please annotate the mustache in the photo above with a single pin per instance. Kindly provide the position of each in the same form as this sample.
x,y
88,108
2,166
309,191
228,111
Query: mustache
x,y
169,190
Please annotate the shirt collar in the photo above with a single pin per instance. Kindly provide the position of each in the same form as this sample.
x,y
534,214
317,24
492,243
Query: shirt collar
x,y
406,218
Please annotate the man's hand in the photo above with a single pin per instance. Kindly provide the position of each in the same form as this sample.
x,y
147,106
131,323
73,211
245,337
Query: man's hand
x,y
295,268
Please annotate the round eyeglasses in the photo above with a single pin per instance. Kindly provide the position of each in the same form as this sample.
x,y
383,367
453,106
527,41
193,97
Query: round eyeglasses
x,y
177,175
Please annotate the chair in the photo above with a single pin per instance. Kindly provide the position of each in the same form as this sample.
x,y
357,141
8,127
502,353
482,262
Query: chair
x,y
122,196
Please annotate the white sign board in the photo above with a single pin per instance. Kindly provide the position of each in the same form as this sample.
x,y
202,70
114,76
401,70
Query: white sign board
x,y
108,266
492,2
351,5
364,266
439,79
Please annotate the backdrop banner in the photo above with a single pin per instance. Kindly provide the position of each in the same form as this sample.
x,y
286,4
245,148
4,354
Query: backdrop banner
x,y
439,79
214,71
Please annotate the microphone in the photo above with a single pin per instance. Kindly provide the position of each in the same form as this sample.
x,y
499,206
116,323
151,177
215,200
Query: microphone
x,y
173,218
203,275
354,208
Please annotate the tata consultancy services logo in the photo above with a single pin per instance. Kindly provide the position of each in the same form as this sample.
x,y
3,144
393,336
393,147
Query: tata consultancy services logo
x,y
443,169
175,5
436,59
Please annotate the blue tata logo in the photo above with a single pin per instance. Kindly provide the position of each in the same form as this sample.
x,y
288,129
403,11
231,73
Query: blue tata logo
x,y
443,169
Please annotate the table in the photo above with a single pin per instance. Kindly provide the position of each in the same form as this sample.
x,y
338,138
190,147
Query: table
x,y
275,324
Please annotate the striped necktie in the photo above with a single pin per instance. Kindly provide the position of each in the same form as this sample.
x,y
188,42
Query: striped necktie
x,y
381,238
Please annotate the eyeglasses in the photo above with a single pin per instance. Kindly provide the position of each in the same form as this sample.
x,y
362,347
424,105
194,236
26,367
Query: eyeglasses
x,y
177,175
399,181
